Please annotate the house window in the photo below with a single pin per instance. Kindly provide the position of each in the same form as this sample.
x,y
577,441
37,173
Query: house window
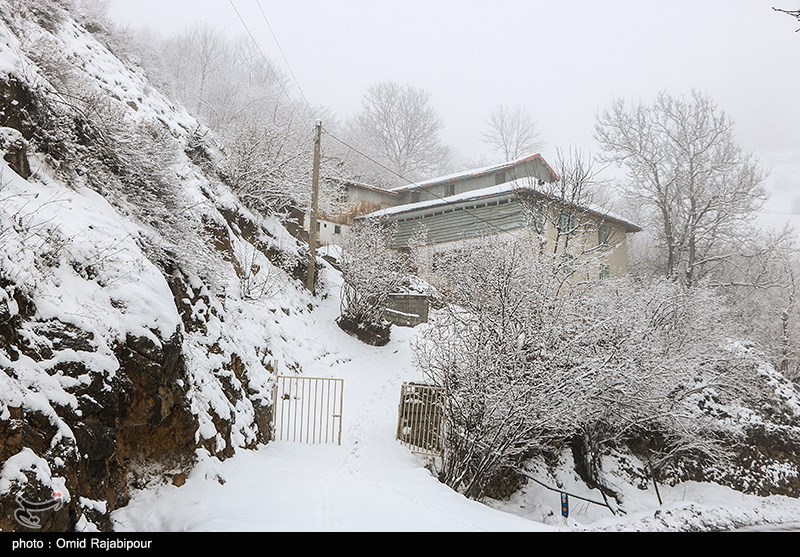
x,y
602,235
566,222
337,229
318,226
535,218
568,263
605,271
450,189
499,178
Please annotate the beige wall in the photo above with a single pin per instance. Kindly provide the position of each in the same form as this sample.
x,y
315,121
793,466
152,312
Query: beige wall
x,y
583,244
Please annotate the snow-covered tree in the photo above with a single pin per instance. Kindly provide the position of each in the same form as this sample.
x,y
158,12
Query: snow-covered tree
x,y
528,364
501,348
511,132
700,188
761,288
371,271
399,128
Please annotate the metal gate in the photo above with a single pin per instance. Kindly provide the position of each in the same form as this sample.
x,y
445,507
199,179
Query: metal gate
x,y
307,409
420,418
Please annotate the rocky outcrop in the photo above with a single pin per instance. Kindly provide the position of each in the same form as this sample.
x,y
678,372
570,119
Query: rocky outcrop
x,y
121,426
14,149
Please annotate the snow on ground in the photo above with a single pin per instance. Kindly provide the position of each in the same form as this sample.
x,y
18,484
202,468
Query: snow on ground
x,y
372,483
369,483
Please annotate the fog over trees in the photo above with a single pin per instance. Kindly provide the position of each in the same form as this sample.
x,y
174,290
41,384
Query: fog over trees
x,y
511,132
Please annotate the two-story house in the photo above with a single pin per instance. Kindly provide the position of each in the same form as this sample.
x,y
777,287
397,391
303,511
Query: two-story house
x,y
505,198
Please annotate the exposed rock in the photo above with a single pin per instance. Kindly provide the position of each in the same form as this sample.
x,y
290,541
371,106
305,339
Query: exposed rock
x,y
154,421
375,335
14,149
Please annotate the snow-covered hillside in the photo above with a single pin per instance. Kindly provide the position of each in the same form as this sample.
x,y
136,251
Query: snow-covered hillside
x,y
143,309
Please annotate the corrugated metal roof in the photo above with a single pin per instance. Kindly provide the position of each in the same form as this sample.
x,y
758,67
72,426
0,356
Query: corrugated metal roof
x,y
477,172
426,208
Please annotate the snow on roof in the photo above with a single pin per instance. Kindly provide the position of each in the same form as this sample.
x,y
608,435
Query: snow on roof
x,y
476,172
360,185
471,195
509,188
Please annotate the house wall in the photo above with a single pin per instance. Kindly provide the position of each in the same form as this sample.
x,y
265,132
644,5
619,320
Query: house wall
x,y
327,234
361,201
439,191
371,197
584,242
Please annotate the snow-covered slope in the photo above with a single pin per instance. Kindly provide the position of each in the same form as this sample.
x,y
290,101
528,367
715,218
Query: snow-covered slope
x,y
143,309
372,483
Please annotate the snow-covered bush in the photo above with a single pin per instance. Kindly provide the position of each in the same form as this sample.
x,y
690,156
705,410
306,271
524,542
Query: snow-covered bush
x,y
658,350
529,365
503,349
371,271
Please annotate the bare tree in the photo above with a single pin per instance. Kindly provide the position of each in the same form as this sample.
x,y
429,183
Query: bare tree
x,y
793,13
698,186
511,132
397,124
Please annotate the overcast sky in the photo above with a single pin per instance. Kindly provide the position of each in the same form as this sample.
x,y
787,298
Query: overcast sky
x,y
563,60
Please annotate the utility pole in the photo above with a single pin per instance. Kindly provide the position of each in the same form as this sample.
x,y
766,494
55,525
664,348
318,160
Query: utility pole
x,y
312,223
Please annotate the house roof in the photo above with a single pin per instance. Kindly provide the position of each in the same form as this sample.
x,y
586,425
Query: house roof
x,y
509,188
477,173
360,185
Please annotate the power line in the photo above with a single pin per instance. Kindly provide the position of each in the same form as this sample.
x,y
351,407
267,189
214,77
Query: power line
x,y
289,66
451,203
266,60
305,99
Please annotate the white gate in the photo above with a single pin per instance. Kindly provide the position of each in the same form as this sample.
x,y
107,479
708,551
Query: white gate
x,y
307,409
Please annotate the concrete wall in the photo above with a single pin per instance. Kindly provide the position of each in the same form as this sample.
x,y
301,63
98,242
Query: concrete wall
x,y
407,310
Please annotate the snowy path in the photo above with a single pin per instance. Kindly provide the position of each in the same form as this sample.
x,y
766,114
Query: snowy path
x,y
370,483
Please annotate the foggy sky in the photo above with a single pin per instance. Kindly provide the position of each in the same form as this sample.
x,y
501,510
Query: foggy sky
x,y
562,60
